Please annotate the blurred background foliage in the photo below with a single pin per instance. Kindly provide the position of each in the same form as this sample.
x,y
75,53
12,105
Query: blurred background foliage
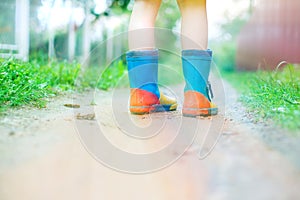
x,y
49,26
168,17
226,44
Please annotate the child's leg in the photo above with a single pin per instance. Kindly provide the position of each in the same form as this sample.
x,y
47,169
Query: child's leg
x,y
142,21
194,24
196,59
142,61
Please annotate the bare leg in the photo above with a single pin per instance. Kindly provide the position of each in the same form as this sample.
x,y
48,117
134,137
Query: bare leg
x,y
141,27
142,61
194,24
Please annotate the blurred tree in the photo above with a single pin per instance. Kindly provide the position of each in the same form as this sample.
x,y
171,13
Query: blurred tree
x,y
168,14
120,3
225,46
232,27
251,4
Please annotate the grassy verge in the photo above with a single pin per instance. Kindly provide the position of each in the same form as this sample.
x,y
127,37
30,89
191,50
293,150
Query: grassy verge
x,y
20,84
271,95
31,83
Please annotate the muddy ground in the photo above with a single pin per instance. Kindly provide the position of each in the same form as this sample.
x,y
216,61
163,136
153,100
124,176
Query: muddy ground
x,y
46,154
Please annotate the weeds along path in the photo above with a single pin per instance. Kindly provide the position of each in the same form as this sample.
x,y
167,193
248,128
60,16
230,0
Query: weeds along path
x,y
42,157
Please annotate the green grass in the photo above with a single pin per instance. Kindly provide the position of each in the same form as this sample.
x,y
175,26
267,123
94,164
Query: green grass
x,y
110,77
31,83
113,76
59,76
271,95
20,84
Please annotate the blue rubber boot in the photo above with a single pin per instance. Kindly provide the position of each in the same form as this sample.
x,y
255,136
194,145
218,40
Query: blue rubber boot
x,y
196,67
145,96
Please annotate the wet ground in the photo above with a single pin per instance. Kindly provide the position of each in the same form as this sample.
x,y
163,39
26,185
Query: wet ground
x,y
53,154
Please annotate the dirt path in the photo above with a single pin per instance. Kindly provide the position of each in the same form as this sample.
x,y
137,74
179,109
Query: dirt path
x,y
42,157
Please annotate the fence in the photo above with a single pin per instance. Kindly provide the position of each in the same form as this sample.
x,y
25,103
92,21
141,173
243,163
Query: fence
x,y
14,29
271,36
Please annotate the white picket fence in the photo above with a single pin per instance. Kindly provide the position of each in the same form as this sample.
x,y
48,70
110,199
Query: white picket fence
x,y
20,48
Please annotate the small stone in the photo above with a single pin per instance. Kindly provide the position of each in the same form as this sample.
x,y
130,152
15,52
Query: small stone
x,y
11,133
69,105
85,117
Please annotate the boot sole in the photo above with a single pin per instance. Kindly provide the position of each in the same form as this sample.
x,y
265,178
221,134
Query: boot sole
x,y
200,112
141,110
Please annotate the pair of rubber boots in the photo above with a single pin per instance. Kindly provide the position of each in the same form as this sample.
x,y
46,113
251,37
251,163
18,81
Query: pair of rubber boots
x,y
145,96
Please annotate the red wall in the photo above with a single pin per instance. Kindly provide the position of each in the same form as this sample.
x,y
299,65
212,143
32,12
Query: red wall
x,y
272,35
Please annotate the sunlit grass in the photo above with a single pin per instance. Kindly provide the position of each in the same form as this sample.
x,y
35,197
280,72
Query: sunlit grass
x,y
271,95
21,83
31,83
